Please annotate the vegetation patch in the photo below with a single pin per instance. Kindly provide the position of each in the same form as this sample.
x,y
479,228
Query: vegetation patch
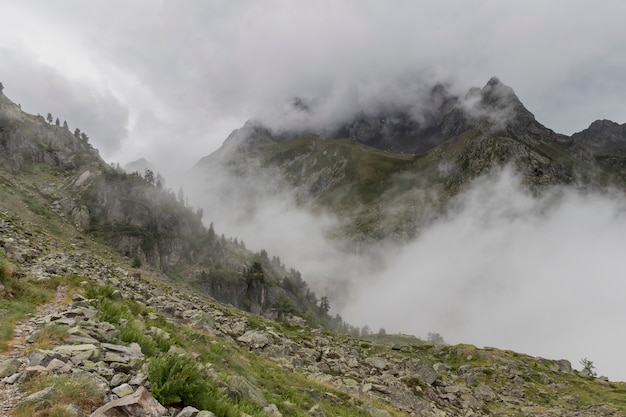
x,y
179,380
19,298
66,392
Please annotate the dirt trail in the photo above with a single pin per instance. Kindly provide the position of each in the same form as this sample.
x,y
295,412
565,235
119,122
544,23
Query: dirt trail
x,y
10,395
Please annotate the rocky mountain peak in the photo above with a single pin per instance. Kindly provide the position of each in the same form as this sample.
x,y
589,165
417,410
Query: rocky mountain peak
x,y
496,107
602,136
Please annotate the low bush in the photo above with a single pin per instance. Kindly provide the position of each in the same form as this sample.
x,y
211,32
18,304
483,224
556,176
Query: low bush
x,y
176,379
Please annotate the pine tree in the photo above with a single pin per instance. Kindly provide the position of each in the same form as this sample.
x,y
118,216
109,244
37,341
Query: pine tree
x,y
49,118
65,126
149,176
57,122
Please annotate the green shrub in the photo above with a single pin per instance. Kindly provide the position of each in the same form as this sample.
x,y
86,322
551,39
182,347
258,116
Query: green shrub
x,y
179,380
129,334
113,311
99,292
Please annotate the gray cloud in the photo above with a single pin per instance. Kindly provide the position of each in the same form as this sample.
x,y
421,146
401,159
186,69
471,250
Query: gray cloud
x,y
192,72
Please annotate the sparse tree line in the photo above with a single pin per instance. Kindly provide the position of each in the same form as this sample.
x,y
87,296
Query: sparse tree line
x,y
57,122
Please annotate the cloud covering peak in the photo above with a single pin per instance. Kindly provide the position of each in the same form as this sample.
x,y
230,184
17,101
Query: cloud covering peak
x,y
141,77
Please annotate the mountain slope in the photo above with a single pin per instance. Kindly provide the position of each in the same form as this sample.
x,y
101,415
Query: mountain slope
x,y
61,177
251,362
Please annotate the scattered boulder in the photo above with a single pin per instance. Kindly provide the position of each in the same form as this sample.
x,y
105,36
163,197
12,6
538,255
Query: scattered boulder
x,y
255,339
139,404
9,367
243,389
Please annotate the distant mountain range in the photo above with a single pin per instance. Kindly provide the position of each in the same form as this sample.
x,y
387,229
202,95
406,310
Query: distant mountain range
x,y
386,173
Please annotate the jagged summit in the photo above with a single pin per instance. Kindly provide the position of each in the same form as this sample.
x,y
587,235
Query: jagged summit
x,y
430,151
426,121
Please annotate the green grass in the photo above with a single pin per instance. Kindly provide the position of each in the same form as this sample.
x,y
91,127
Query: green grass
x,y
179,380
20,297
81,392
48,335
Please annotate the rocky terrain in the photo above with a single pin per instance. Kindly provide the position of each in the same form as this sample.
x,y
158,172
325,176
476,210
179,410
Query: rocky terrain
x,y
331,374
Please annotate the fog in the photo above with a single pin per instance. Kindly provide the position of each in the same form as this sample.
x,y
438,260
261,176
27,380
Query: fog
x,y
539,275
542,275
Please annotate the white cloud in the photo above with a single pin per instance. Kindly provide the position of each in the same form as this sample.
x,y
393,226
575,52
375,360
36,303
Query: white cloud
x,y
539,275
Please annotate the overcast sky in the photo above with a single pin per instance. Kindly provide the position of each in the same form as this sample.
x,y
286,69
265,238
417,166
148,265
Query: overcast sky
x,y
168,80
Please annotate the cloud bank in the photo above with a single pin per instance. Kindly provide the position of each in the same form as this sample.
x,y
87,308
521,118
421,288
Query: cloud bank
x,y
166,74
539,275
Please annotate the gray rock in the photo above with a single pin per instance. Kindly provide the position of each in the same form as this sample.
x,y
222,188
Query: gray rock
x,y
484,392
441,367
58,366
316,411
42,357
245,390
138,404
272,411
9,367
44,394
119,379
376,412
378,362
255,339
426,373
123,390
188,412
205,413
73,410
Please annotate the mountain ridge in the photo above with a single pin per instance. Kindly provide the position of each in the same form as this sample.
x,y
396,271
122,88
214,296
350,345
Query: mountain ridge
x,y
486,129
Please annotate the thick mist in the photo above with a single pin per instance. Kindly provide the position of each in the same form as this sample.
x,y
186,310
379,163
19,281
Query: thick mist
x,y
542,275
538,275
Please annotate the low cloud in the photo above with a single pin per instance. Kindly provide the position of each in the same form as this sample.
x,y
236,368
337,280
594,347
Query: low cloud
x,y
539,275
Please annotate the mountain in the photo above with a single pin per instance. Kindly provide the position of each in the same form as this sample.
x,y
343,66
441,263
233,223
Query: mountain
x,y
61,177
110,285
140,165
388,173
